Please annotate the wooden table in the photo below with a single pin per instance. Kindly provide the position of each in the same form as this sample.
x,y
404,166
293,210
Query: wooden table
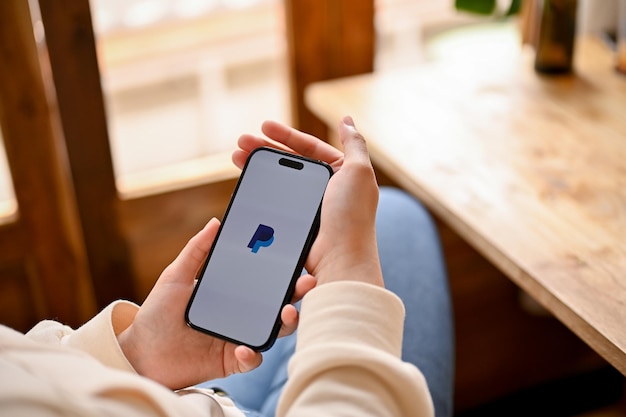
x,y
530,170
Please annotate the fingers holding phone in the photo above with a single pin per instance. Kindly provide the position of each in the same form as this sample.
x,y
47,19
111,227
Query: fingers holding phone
x,y
347,234
253,267
346,247
286,138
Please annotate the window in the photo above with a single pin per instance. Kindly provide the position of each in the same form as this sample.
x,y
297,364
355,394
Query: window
x,y
8,204
183,79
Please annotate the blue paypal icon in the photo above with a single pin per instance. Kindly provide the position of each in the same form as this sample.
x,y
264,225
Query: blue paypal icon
x,y
264,236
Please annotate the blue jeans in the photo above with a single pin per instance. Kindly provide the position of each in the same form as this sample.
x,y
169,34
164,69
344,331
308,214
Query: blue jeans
x,y
413,268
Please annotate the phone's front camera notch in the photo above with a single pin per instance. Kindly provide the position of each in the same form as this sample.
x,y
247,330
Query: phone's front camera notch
x,y
291,163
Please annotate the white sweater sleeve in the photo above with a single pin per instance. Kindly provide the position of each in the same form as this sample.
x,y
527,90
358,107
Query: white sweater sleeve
x,y
346,363
347,360
97,337
54,370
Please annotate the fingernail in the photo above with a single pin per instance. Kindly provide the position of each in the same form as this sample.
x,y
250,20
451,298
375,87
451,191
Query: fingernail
x,y
348,121
211,220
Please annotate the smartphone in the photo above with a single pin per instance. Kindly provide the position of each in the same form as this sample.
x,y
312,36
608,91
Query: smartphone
x,y
260,249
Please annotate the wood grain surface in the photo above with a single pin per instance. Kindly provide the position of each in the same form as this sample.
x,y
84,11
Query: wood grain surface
x,y
529,170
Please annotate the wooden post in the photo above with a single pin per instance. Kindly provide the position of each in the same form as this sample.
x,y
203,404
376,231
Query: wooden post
x,y
42,238
326,39
73,61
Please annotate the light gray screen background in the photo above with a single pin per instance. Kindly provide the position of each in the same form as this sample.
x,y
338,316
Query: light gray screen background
x,y
241,292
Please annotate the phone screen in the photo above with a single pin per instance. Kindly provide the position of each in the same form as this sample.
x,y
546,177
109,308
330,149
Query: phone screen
x,y
260,248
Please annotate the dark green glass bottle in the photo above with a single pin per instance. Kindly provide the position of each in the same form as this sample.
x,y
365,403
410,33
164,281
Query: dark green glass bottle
x,y
557,35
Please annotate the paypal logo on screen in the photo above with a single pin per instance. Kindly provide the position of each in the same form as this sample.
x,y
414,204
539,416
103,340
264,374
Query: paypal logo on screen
x,y
264,236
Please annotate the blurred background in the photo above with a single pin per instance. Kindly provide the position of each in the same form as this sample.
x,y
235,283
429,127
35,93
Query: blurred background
x,y
181,80
184,78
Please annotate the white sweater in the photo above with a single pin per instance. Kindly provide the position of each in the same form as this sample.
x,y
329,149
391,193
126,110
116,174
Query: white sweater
x,y
346,364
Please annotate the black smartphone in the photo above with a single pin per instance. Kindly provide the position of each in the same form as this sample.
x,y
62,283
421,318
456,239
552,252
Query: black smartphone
x,y
260,249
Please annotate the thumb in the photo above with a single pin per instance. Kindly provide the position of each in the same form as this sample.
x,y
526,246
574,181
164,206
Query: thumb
x,y
247,359
354,146
189,261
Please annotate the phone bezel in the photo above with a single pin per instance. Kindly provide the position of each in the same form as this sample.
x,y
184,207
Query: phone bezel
x,y
312,234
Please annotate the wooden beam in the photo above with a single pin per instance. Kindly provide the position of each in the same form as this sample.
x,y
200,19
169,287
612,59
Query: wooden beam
x,y
74,65
42,238
326,39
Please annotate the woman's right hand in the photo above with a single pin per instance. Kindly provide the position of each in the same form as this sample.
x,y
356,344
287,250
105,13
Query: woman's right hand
x,y
345,247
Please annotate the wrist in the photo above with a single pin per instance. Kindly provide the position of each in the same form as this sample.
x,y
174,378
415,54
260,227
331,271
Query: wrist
x,y
124,329
140,359
129,347
362,266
